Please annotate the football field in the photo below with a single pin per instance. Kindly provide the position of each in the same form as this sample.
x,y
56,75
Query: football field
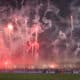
x,y
15,76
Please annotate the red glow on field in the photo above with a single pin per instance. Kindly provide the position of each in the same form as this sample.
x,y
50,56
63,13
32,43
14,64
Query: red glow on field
x,y
13,57
53,66
6,64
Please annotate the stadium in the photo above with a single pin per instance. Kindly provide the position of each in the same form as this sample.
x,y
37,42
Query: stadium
x,y
40,38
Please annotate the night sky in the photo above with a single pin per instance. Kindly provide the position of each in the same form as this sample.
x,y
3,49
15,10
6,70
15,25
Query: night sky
x,y
63,5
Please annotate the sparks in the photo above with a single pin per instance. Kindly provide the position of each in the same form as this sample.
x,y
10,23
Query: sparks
x,y
10,28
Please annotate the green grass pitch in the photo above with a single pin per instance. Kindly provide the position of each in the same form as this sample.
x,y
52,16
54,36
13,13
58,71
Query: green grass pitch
x,y
16,76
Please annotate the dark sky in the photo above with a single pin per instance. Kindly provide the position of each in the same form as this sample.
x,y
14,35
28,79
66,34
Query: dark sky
x,y
63,5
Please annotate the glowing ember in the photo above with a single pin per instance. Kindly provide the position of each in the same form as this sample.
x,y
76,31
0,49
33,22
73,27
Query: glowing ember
x,y
6,63
10,27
